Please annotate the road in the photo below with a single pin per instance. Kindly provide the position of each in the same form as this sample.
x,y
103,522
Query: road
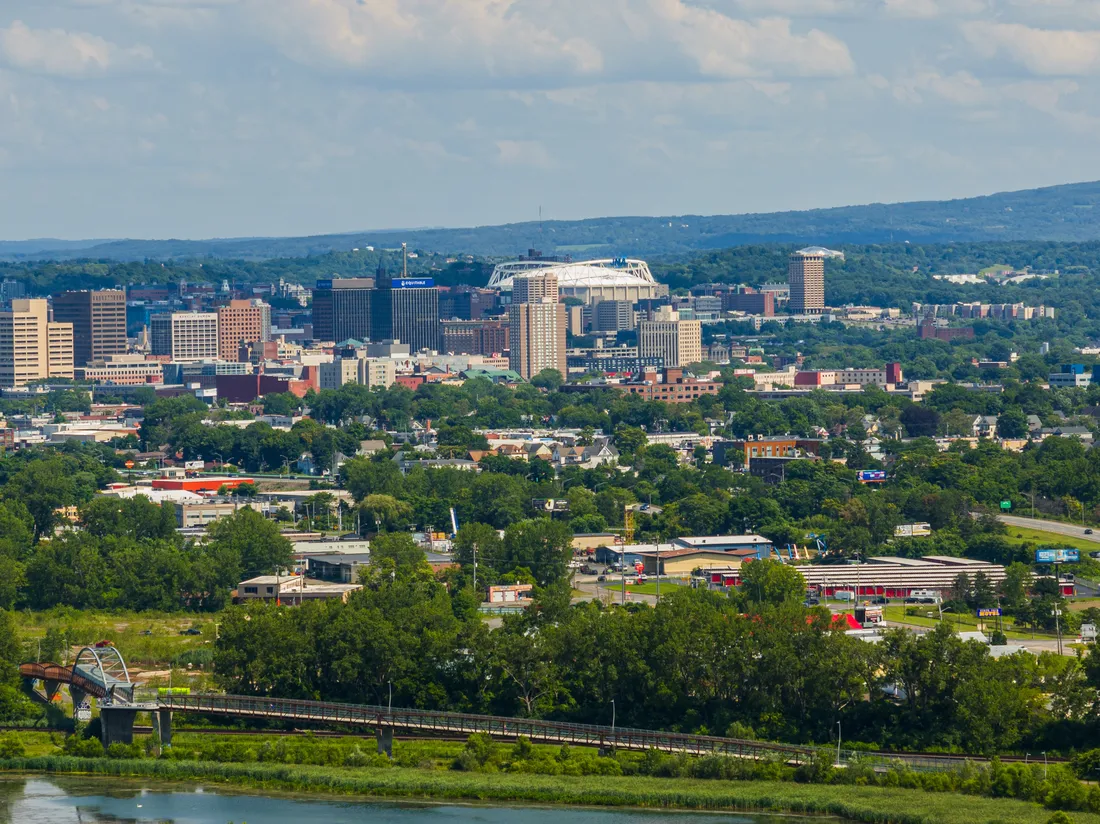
x,y
1058,527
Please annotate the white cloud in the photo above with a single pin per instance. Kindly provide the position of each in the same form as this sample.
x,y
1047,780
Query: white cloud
x,y
729,48
62,53
928,9
1042,51
523,153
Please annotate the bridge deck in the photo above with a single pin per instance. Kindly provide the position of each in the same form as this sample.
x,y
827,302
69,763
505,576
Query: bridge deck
x,y
546,732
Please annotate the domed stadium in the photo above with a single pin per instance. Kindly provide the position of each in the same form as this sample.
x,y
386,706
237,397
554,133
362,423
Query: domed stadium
x,y
589,280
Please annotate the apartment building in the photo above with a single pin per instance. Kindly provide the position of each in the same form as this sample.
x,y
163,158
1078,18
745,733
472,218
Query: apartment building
x,y
536,327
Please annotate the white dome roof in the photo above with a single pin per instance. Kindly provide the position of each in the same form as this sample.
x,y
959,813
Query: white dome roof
x,y
609,272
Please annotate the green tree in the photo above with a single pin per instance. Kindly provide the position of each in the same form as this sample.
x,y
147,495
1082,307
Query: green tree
x,y
542,546
250,542
1012,423
770,582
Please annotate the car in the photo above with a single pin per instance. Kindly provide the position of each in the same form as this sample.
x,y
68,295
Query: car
x,y
642,578
880,599
191,631
811,602
911,601
1088,531
602,578
146,632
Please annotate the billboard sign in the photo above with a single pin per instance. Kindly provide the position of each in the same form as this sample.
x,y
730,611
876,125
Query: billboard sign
x,y
83,712
324,284
413,283
194,464
1057,556
872,476
989,612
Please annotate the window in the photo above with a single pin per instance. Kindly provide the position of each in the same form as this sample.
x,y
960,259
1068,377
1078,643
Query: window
x,y
270,590
250,590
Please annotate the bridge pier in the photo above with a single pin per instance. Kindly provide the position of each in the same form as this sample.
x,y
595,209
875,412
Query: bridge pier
x,y
385,740
162,726
117,725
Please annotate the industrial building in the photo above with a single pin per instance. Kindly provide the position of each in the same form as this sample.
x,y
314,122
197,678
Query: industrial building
x,y
893,577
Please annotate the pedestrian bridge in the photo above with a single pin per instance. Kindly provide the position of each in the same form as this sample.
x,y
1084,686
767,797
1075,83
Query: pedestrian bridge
x,y
99,672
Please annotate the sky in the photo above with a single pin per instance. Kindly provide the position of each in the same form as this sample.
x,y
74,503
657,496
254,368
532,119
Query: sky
x,y
225,118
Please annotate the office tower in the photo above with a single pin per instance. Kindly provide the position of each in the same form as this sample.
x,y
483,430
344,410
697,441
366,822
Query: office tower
x,y
679,342
467,303
12,289
613,315
31,347
99,323
806,273
342,309
242,321
407,310
185,336
536,326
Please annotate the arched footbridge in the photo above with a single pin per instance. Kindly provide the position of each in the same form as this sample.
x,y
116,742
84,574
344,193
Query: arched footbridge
x,y
100,672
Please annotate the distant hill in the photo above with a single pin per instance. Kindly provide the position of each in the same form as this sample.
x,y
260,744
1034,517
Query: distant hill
x,y
1056,213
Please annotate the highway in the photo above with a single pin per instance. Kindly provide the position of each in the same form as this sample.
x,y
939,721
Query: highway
x,y
1058,527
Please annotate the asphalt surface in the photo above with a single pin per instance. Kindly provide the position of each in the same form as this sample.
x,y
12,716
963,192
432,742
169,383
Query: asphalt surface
x,y
1058,527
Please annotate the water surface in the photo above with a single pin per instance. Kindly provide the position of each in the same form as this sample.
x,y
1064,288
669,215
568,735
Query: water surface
x,y
119,801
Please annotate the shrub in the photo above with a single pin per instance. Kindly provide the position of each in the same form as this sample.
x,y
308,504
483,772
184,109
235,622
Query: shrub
x,y
11,747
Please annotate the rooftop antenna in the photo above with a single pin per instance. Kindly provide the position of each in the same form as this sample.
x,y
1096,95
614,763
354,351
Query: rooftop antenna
x,y
405,260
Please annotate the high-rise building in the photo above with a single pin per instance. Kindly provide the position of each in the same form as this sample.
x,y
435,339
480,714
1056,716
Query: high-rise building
x,y
678,342
32,347
475,337
806,273
342,309
185,336
406,309
242,321
613,315
536,326
99,323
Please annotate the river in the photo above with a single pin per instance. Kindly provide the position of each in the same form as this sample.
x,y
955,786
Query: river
x,y
117,801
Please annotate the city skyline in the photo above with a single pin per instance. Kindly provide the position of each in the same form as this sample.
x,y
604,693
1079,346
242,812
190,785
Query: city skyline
x,y
216,118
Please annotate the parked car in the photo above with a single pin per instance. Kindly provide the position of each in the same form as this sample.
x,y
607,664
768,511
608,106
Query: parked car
x,y
880,599
191,631
1088,531
812,602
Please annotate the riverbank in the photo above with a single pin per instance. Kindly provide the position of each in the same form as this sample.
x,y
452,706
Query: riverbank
x,y
873,805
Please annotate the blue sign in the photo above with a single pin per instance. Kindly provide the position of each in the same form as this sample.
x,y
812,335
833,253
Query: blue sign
x,y
413,283
867,476
1057,556
323,284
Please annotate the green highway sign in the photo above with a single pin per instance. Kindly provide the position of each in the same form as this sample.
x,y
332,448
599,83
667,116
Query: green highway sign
x,y
1006,505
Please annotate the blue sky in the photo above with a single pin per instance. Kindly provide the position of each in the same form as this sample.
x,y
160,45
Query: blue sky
x,y
216,118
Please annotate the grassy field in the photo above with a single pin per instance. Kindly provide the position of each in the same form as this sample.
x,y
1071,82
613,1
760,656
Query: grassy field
x,y
151,643
928,616
1021,534
857,803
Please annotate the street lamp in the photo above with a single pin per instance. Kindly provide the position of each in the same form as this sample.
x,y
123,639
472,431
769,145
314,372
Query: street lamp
x,y
838,743
389,707
613,718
